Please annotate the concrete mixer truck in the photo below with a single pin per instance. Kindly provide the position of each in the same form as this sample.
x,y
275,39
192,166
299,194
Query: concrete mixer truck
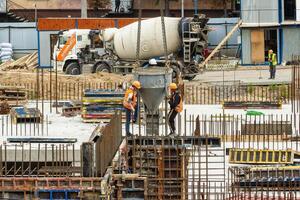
x,y
186,40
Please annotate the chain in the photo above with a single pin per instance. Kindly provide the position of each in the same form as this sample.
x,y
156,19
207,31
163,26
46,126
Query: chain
x,y
163,28
138,37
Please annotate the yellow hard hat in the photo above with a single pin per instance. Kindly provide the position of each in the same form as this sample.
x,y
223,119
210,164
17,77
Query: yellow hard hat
x,y
137,84
173,86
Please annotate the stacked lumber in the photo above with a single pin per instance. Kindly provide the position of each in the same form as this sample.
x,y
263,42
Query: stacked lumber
x,y
28,62
12,95
100,105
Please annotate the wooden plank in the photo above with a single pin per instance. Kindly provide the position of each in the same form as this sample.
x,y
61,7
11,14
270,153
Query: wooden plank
x,y
257,46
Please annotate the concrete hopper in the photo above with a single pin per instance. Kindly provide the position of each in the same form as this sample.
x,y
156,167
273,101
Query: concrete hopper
x,y
154,81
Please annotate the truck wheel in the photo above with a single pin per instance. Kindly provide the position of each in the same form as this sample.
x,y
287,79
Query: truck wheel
x,y
102,67
73,69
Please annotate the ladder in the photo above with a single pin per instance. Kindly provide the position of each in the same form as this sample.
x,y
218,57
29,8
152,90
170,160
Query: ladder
x,y
189,38
186,51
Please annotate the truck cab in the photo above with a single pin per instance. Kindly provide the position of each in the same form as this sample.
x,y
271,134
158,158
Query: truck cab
x,y
70,45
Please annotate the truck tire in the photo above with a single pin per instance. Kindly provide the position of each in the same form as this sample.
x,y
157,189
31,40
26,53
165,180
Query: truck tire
x,y
73,69
102,67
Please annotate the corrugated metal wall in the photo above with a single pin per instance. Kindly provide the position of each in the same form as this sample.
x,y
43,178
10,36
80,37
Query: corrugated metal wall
x,y
291,43
246,46
23,37
3,6
259,11
220,27
45,55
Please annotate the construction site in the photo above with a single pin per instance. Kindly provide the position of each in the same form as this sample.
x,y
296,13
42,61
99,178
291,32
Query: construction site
x,y
64,85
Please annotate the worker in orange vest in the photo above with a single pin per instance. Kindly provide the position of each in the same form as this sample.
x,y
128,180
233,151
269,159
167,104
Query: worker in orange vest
x,y
130,104
176,106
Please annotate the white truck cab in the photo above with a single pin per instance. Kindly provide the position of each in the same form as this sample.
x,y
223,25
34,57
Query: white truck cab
x,y
69,44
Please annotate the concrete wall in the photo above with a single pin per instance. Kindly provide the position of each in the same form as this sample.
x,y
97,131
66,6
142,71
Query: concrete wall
x,y
23,37
188,4
246,46
291,43
16,155
259,11
49,4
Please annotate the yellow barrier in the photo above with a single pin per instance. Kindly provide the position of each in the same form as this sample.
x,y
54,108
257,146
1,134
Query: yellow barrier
x,y
254,156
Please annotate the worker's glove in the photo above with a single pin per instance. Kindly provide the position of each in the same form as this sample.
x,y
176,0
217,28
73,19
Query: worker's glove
x,y
132,108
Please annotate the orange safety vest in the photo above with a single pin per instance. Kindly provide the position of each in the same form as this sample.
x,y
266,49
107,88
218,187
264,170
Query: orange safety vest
x,y
179,107
130,99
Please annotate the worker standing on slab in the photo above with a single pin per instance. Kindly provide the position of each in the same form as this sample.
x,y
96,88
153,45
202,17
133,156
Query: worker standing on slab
x,y
117,7
130,104
272,58
176,106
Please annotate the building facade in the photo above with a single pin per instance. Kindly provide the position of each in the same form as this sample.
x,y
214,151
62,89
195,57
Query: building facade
x,y
269,24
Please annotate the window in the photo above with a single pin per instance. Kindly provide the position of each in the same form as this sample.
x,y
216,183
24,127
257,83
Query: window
x,y
79,38
63,39
238,156
289,9
244,156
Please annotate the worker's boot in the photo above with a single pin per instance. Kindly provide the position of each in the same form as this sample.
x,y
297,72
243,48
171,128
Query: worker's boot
x,y
128,134
172,133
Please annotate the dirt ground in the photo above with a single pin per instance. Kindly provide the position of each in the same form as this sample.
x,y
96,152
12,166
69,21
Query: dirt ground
x,y
21,77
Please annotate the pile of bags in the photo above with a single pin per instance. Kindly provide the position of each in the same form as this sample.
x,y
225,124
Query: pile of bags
x,y
5,52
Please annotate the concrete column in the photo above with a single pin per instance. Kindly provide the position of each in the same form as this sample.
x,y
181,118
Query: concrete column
x,y
83,8
87,153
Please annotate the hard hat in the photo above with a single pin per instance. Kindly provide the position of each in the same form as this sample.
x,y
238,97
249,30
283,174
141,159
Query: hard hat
x,y
173,86
152,61
137,84
270,51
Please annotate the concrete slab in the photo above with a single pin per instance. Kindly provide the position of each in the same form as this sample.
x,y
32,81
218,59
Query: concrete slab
x,y
250,76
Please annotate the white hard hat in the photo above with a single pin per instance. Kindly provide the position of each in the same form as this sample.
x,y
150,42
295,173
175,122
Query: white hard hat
x,y
152,61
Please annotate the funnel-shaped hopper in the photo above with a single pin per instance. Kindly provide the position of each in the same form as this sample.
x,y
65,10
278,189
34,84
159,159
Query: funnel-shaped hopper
x,y
154,81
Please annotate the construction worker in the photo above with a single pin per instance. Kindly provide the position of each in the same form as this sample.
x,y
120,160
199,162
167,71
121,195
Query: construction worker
x,y
272,58
130,104
152,62
176,106
117,7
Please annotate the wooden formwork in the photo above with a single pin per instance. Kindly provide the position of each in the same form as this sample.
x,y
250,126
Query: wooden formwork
x,y
12,96
252,104
33,187
163,165
26,115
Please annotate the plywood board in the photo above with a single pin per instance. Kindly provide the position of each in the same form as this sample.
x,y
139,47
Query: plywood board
x,y
257,46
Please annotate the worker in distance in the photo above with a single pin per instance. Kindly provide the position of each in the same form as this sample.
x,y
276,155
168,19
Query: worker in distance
x,y
272,58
